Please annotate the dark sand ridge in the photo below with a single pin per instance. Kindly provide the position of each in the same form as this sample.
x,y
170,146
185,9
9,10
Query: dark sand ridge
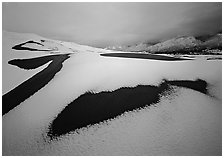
x,y
89,108
21,47
143,56
32,63
215,58
33,84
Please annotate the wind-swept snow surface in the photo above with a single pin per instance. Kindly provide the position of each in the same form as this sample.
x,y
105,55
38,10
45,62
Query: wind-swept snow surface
x,y
184,121
32,46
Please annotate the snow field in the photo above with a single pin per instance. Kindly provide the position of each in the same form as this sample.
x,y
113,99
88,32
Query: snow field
x,y
184,122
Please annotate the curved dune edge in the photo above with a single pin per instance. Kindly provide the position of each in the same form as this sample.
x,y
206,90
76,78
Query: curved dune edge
x,y
33,84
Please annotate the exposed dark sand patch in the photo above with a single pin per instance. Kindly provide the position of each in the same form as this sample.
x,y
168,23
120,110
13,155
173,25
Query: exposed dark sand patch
x,y
215,58
33,84
198,85
89,108
143,56
21,47
32,63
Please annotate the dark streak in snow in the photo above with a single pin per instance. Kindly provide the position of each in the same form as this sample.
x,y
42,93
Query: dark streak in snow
x,y
32,63
13,98
89,108
21,47
143,56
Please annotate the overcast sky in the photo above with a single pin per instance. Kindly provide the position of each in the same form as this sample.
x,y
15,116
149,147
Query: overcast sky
x,y
106,24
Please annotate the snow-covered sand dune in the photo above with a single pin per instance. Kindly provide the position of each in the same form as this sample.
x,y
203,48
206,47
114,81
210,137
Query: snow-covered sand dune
x,y
183,122
38,45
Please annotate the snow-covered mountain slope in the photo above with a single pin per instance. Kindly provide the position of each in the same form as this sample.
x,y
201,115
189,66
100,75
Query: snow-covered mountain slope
x,y
175,44
138,47
184,43
132,48
215,42
168,45
182,122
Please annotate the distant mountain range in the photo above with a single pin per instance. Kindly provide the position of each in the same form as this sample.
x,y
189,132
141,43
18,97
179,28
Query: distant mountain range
x,y
179,45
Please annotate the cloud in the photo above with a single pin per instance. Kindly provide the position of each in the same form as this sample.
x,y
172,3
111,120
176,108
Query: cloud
x,y
205,21
104,24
